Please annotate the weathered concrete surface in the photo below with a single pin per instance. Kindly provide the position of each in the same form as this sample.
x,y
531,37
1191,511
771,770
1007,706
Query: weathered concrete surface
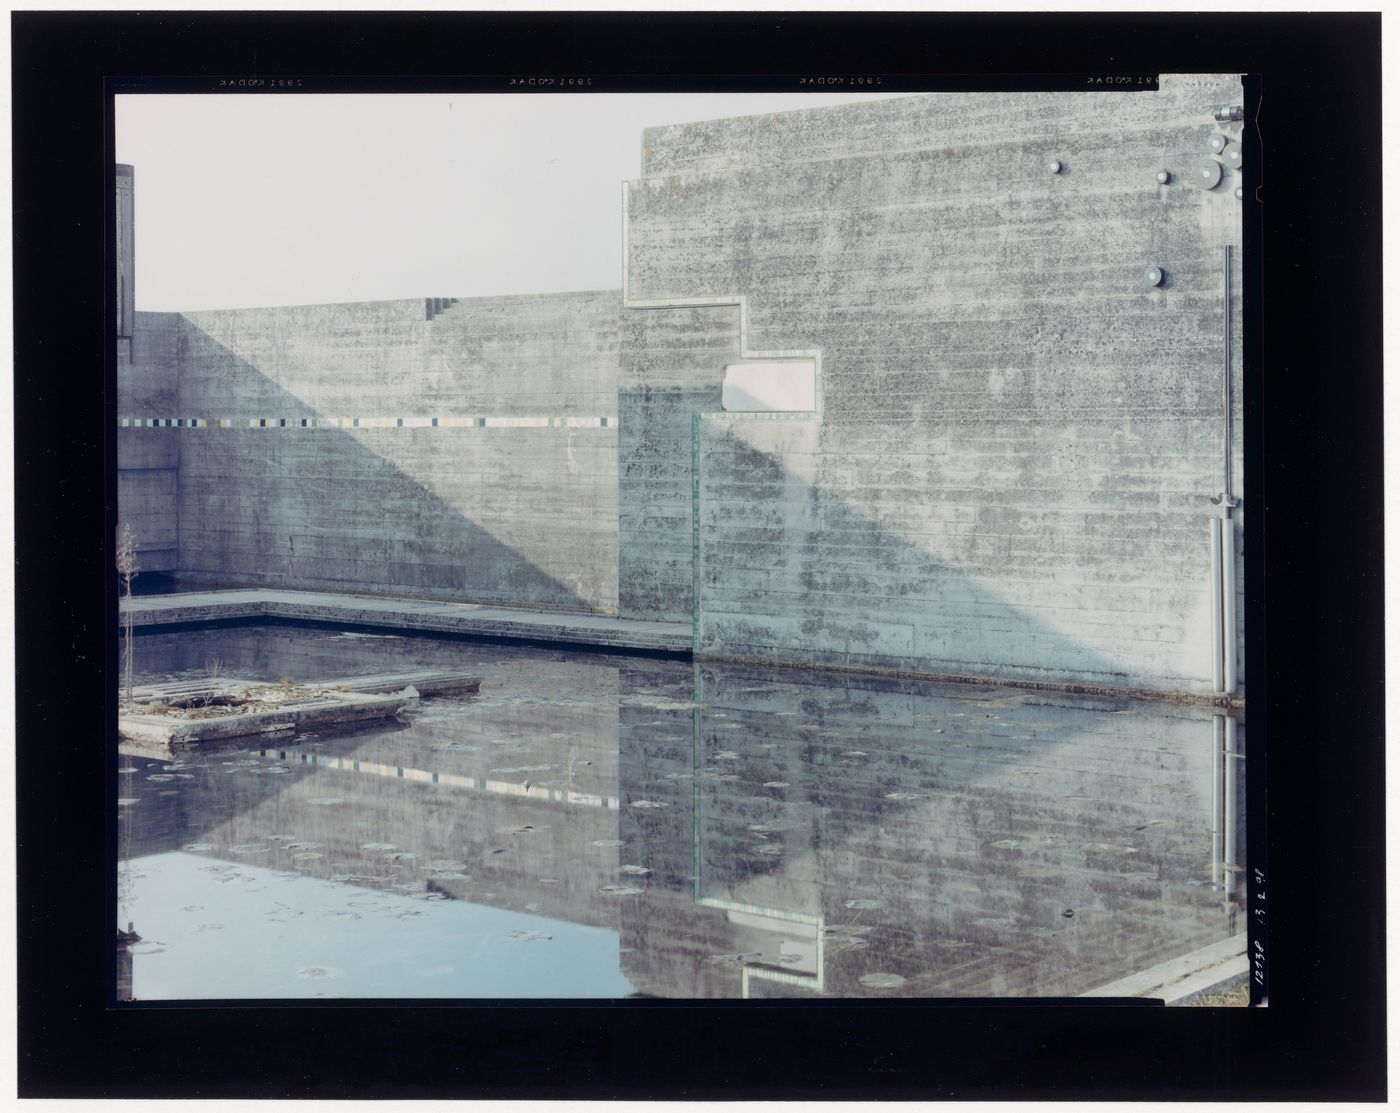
x,y
148,460
512,515
407,615
672,362
163,736
1216,968
1009,475
329,704
1012,473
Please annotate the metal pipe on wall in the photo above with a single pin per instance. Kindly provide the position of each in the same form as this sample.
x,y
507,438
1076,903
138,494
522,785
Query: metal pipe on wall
x,y
1216,612
1230,760
1217,845
1227,600
1224,619
1228,365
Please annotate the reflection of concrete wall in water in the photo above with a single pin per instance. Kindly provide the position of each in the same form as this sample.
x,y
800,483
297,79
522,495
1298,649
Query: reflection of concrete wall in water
x,y
362,807
966,822
1018,440
1010,811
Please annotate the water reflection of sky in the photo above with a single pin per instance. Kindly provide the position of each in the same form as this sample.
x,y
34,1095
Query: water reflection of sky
x,y
720,831
212,929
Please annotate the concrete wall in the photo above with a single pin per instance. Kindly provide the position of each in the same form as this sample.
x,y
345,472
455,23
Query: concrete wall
x,y
1019,438
483,507
1008,473
148,459
671,363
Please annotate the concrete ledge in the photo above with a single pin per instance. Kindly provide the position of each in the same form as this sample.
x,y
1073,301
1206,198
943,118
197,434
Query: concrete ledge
x,y
428,616
1067,687
1217,968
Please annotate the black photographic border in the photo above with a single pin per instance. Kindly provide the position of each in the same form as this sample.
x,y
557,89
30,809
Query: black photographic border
x,y
1313,444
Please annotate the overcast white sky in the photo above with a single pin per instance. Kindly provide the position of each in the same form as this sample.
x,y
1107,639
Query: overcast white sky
x,y
293,200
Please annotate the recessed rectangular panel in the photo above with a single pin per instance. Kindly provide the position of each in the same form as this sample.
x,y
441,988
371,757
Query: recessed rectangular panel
x,y
770,386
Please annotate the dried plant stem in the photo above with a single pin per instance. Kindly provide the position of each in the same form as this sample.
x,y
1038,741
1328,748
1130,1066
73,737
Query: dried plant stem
x,y
127,568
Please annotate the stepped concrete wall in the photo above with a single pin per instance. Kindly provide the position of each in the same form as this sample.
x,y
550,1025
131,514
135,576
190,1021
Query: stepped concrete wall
x,y
1009,473
1019,437
672,363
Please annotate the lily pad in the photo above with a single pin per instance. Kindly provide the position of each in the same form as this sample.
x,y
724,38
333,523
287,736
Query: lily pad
x,y
902,796
608,842
636,871
865,902
881,981
197,847
621,890
649,804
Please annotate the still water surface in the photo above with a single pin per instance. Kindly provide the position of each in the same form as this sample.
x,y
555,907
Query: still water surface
x,y
603,826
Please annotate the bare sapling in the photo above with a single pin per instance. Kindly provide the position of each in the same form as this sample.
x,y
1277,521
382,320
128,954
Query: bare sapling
x,y
127,568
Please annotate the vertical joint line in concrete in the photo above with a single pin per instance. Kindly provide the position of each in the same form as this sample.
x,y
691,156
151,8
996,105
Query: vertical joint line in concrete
x,y
697,689
745,352
695,572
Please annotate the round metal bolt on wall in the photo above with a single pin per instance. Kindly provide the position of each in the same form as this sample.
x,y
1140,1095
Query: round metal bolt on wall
x,y
1217,142
1239,193
1154,276
1163,177
1056,166
1208,176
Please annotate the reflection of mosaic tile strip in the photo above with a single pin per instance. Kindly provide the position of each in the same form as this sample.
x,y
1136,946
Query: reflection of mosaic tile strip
x,y
368,422
506,788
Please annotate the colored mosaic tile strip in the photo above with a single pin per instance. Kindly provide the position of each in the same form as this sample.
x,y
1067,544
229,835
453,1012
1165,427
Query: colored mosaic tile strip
x,y
609,422
481,784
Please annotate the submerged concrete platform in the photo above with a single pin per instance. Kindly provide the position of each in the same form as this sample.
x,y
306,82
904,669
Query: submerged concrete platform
x,y
428,616
266,711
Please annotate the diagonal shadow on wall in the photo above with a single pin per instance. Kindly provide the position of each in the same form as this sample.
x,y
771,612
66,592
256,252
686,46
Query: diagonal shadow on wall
x,y
790,571
326,509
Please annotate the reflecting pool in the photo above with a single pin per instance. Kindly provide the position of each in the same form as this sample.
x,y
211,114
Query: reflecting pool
x,y
593,825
